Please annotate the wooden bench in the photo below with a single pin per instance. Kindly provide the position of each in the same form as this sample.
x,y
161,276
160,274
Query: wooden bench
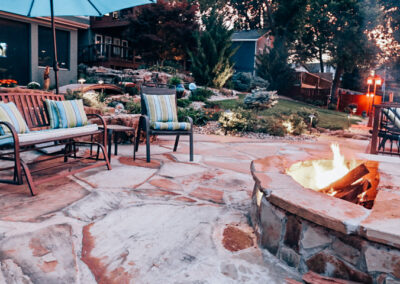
x,y
386,129
32,108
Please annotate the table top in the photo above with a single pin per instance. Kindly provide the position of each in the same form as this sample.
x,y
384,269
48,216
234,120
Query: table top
x,y
116,127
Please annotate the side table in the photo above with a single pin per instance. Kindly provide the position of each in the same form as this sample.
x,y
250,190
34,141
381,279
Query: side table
x,y
116,129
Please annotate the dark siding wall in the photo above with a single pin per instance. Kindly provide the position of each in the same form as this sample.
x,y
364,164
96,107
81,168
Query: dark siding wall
x,y
244,57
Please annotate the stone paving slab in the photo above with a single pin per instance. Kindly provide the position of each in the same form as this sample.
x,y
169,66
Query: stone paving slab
x,y
171,221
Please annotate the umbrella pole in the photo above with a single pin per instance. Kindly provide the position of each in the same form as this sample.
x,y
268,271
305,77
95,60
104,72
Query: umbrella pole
x,y
53,28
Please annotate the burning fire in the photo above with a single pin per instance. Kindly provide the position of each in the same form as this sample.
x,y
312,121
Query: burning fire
x,y
321,173
325,176
348,180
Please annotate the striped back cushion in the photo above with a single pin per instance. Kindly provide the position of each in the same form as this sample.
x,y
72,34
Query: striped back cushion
x,y
52,111
10,113
70,114
392,115
161,108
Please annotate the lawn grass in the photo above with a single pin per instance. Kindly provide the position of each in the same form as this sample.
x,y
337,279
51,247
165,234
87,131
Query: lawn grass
x,y
328,119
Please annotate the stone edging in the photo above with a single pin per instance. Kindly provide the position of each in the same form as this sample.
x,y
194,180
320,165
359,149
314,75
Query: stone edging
x,y
313,231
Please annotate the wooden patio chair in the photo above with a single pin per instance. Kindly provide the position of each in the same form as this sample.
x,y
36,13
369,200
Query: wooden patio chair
x,y
156,93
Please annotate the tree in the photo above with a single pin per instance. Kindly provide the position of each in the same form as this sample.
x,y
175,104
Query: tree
x,y
272,65
317,33
285,21
164,31
392,16
211,61
350,46
250,14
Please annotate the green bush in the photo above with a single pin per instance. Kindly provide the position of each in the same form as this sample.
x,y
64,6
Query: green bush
x,y
244,82
209,104
332,106
132,107
166,69
270,125
236,120
113,103
199,117
183,103
175,81
313,102
77,95
33,86
131,89
173,64
347,110
200,95
298,124
305,114
261,99
241,81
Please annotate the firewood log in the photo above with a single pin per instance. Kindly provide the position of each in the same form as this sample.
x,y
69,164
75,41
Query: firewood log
x,y
351,177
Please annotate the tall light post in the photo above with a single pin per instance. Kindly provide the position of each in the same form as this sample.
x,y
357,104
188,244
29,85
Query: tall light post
x,y
376,80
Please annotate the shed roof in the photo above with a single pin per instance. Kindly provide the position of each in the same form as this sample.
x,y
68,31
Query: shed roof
x,y
252,35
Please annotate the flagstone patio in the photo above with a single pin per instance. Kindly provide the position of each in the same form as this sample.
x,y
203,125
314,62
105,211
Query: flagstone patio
x,y
170,221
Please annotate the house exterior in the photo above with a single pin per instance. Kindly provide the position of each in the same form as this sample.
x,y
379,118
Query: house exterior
x,y
310,87
249,44
26,47
104,44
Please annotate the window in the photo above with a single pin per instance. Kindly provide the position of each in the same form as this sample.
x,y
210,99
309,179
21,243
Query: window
x,y
98,40
46,47
124,52
117,49
14,51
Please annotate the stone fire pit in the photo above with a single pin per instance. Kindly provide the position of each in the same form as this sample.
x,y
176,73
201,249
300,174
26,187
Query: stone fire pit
x,y
310,230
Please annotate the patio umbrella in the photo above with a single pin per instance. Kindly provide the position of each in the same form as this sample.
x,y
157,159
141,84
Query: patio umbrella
x,y
52,8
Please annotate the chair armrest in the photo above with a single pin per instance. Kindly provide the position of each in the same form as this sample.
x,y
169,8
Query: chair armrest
x,y
103,122
14,133
190,120
146,120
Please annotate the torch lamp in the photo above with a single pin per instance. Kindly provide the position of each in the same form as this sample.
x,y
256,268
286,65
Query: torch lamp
x,y
311,116
81,81
377,81
101,82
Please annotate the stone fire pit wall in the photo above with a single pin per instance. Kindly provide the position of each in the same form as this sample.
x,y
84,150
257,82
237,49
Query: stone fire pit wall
x,y
313,231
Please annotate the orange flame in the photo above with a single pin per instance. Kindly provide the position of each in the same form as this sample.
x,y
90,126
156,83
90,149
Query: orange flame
x,y
319,174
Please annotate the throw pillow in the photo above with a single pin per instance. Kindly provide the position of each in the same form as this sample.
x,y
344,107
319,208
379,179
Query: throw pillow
x,y
10,113
71,113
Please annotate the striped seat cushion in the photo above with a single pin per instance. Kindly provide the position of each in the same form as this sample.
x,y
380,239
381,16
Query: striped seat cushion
x,y
52,134
10,113
170,125
161,108
70,114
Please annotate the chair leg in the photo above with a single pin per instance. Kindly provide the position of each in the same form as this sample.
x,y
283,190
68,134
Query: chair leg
x,y
74,145
147,147
29,179
136,147
103,149
66,152
191,146
176,143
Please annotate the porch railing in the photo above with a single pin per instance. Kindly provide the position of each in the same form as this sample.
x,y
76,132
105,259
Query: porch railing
x,y
105,52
